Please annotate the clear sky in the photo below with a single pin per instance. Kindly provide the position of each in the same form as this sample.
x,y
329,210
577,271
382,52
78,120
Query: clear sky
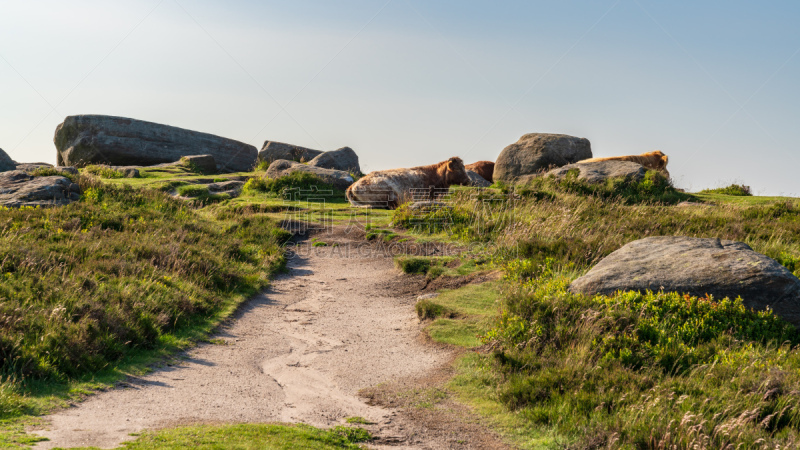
x,y
714,84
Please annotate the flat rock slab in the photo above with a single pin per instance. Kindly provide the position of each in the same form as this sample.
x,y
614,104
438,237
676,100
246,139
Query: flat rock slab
x,y
697,266
339,179
18,188
600,171
119,141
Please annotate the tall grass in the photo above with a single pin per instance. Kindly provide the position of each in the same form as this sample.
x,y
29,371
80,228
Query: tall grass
x,y
646,371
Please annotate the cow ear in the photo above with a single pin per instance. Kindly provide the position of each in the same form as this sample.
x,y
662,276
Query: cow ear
x,y
665,160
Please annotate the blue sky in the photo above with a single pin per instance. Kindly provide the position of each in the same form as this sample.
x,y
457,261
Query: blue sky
x,y
408,82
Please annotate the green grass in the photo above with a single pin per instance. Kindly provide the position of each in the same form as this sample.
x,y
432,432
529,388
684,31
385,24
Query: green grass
x,y
460,316
245,437
734,189
103,171
200,193
297,185
51,171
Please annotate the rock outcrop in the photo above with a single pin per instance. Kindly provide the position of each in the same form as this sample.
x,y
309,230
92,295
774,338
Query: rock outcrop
x,y
697,266
18,188
537,152
339,179
119,141
342,159
201,163
273,151
6,163
476,180
600,171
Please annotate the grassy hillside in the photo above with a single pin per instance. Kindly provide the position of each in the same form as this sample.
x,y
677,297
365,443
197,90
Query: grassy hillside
x,y
93,287
642,371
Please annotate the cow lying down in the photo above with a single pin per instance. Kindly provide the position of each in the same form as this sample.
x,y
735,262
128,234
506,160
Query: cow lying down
x,y
651,160
391,188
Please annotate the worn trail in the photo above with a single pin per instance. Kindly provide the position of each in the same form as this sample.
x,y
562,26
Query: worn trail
x,y
299,352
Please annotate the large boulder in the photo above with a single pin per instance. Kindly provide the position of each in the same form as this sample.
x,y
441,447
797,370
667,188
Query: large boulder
x,y
18,188
339,179
697,266
118,141
342,159
273,151
600,171
6,163
476,180
536,152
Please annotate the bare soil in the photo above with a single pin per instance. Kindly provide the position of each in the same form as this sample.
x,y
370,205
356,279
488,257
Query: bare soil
x,y
335,337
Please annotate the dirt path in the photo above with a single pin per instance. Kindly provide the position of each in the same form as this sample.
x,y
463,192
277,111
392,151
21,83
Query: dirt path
x,y
299,352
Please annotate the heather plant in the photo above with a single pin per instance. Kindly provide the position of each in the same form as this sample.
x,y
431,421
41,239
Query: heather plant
x,y
103,171
733,189
86,284
295,186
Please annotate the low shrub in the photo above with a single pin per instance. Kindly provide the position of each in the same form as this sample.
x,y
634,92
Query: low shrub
x,y
734,189
103,171
51,171
200,193
413,265
428,309
654,188
297,185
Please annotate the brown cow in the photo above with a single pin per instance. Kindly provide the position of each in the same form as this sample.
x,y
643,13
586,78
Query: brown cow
x,y
482,168
390,188
651,160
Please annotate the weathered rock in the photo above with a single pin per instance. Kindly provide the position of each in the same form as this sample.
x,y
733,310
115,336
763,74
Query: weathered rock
x,y
33,167
339,179
233,187
273,151
202,163
67,169
118,141
536,152
18,188
30,167
342,159
6,163
697,266
600,171
476,180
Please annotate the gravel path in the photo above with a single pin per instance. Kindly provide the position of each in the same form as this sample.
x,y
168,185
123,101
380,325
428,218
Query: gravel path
x,y
299,352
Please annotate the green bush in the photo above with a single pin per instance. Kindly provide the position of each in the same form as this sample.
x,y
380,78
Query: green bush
x,y
296,185
427,309
734,189
103,171
413,265
654,188
200,193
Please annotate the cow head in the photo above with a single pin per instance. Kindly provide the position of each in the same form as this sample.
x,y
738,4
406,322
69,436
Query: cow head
x,y
664,159
455,173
